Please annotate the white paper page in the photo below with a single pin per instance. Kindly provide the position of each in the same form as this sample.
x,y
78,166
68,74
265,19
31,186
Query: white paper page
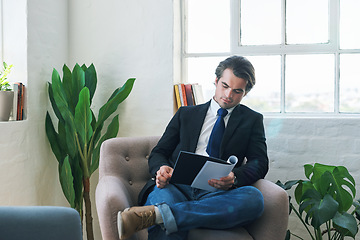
x,y
213,170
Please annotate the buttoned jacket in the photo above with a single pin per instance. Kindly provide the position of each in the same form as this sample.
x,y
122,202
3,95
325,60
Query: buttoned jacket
x,y
244,137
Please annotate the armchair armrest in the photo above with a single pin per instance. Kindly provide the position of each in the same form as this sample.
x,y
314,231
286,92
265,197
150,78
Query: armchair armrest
x,y
272,225
123,171
111,196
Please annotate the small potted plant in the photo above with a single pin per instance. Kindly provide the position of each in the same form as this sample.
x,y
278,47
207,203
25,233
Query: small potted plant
x,y
6,94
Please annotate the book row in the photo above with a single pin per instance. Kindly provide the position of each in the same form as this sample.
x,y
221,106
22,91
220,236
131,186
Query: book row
x,y
188,94
19,102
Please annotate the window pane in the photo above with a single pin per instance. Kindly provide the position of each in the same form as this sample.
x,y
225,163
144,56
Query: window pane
x,y
266,94
208,26
349,83
202,71
309,83
349,24
260,22
306,21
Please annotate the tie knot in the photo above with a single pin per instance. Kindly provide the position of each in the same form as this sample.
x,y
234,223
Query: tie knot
x,y
222,112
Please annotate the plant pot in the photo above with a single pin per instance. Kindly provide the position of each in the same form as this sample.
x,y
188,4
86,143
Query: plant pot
x,y
6,104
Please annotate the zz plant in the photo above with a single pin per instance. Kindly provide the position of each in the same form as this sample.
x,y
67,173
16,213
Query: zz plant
x,y
325,202
79,135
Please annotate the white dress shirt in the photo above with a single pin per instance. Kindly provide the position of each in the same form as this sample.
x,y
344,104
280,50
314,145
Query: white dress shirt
x,y
209,122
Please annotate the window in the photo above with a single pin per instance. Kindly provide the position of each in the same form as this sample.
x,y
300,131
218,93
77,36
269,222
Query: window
x,y
1,32
306,53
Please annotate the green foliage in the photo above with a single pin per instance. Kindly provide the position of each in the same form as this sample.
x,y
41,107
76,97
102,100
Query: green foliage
x,y
4,85
324,201
77,139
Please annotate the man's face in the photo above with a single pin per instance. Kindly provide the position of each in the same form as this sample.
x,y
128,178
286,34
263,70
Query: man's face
x,y
229,89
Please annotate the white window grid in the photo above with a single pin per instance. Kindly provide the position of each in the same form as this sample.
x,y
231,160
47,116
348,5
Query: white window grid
x,y
283,49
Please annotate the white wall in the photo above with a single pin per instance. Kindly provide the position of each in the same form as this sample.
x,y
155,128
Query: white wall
x,y
296,141
26,173
122,38
128,38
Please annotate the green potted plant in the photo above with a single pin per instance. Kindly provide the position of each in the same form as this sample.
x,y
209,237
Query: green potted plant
x,y
6,95
325,202
77,140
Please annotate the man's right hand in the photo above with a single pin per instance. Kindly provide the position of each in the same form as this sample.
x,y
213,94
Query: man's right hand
x,y
163,176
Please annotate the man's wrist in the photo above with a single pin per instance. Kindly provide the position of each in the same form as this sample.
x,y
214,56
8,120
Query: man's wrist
x,y
235,180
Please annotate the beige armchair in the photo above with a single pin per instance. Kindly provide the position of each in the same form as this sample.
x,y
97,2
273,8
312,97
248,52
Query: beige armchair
x,y
123,172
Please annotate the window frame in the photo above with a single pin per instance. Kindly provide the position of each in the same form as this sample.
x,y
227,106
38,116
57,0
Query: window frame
x,y
332,47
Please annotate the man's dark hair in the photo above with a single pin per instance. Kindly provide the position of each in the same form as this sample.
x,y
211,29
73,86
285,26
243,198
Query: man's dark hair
x,y
241,67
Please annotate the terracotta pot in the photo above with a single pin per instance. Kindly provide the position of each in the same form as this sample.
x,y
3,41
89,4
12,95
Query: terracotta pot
x,y
6,104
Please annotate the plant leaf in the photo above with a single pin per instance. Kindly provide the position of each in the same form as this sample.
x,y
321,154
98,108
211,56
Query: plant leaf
x,y
289,184
357,209
71,140
62,137
287,237
68,88
346,224
343,181
118,96
301,188
78,82
78,180
91,80
53,104
335,181
59,97
319,170
83,117
61,103
111,132
322,210
97,134
53,139
66,181
308,169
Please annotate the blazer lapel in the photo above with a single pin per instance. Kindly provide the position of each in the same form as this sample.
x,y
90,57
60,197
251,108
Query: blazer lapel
x,y
199,116
234,121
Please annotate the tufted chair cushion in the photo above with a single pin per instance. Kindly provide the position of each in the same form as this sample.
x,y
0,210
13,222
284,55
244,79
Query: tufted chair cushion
x,y
123,171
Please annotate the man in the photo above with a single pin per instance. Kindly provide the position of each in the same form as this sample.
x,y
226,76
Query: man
x,y
171,210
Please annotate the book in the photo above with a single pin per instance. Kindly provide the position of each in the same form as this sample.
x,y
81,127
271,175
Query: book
x,y
19,101
15,102
196,170
198,94
177,96
183,94
189,95
180,95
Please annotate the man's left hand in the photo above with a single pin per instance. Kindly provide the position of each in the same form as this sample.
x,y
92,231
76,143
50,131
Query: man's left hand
x,y
224,183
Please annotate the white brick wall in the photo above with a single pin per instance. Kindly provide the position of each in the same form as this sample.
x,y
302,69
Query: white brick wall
x,y
294,142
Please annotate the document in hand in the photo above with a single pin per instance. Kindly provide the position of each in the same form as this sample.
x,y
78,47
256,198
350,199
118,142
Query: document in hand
x,y
195,170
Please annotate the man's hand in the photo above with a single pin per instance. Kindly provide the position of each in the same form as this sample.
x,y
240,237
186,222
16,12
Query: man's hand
x,y
224,183
163,176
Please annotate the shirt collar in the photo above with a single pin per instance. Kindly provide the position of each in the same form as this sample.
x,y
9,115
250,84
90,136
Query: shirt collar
x,y
214,107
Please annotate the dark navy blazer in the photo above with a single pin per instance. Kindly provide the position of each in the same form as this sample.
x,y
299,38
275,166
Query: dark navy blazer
x,y
244,137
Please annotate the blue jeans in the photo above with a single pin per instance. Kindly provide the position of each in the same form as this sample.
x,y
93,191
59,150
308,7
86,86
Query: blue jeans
x,y
183,208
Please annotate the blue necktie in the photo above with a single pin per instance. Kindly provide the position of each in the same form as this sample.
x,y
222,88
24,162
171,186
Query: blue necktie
x,y
213,147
